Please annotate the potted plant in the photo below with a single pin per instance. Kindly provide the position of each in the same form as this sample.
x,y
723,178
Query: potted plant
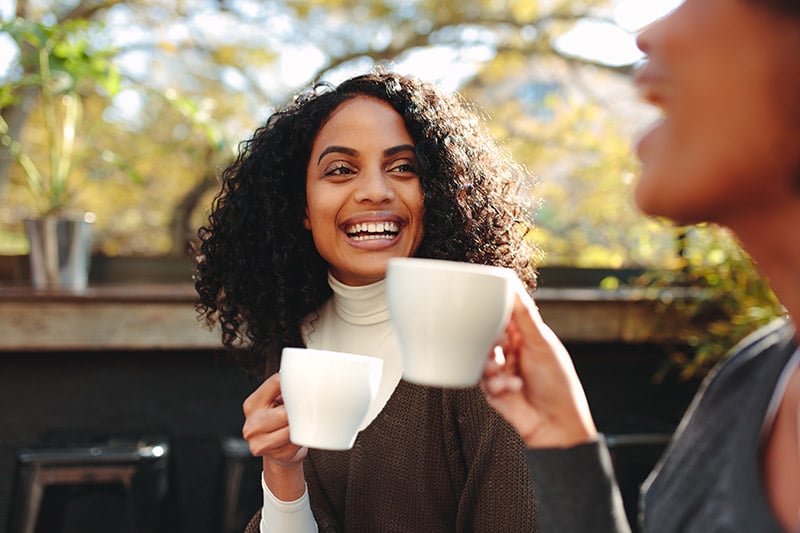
x,y
724,299
58,62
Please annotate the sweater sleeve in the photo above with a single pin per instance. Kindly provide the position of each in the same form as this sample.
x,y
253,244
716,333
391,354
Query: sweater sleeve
x,y
576,490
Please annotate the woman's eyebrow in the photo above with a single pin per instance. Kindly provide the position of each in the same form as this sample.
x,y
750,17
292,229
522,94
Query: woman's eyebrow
x,y
397,149
337,149
349,151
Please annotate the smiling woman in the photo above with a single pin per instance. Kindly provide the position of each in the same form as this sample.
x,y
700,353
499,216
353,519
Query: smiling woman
x,y
295,253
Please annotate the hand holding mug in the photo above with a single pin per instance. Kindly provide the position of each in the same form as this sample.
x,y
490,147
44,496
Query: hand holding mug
x,y
266,430
532,382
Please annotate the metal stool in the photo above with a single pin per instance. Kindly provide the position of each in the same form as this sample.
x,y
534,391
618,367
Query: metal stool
x,y
115,461
241,484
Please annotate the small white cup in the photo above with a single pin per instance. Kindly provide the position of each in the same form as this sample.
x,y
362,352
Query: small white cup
x,y
327,395
447,316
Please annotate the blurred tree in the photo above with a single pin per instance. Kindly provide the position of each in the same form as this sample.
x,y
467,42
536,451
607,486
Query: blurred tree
x,y
200,75
574,127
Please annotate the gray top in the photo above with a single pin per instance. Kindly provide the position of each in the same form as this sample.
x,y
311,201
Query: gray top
x,y
709,478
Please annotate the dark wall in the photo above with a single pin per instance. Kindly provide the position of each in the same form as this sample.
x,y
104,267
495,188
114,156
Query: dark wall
x,y
190,397
623,396
195,400
636,414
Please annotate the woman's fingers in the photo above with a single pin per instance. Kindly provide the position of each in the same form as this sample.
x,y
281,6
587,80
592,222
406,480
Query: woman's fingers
x,y
268,443
266,419
502,384
264,395
266,424
534,385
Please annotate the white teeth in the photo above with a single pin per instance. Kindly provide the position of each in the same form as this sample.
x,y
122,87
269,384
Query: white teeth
x,y
375,237
373,230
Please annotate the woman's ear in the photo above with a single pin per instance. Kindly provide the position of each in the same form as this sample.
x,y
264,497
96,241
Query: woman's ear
x,y
306,221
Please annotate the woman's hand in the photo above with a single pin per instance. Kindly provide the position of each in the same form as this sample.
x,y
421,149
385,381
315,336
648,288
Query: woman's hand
x,y
531,381
266,430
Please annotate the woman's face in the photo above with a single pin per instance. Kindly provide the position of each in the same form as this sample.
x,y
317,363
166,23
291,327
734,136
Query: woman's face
x,y
364,201
726,76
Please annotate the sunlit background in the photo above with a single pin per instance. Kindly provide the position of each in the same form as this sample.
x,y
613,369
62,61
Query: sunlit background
x,y
196,77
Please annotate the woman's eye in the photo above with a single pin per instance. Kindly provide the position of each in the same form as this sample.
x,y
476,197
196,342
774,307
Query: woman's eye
x,y
339,170
404,166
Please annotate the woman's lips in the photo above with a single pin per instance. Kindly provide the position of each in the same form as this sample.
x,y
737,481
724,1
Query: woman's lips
x,y
652,88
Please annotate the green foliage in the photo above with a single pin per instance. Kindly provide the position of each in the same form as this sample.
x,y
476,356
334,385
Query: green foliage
x,y
59,62
716,296
133,174
138,170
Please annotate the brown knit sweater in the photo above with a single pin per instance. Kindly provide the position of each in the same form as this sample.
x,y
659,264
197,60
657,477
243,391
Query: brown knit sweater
x,y
434,460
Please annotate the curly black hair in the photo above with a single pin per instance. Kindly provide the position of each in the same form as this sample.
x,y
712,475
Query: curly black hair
x,y
258,273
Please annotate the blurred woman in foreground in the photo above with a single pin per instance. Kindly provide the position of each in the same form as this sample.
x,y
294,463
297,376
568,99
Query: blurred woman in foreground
x,y
726,74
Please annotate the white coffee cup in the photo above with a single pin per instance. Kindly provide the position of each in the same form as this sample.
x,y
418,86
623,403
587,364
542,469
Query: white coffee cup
x,y
447,316
327,395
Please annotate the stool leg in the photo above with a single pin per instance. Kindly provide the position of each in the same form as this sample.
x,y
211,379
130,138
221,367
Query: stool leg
x,y
32,504
232,484
133,525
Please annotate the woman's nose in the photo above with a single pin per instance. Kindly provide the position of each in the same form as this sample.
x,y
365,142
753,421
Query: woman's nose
x,y
652,33
374,186
643,38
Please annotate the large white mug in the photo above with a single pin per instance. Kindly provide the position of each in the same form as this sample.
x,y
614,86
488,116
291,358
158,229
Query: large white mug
x,y
327,395
446,316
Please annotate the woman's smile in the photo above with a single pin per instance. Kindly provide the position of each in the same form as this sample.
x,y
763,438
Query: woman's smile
x,y
373,227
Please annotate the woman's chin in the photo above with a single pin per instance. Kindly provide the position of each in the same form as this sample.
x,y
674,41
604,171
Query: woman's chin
x,y
644,200
655,202
650,198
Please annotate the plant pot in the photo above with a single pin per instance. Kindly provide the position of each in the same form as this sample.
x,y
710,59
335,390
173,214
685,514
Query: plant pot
x,y
60,247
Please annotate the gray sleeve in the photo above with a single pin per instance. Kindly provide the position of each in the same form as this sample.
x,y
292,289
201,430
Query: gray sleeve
x,y
576,490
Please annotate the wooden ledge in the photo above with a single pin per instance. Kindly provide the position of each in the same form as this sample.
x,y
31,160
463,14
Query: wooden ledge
x,y
121,317
162,317
154,293
597,315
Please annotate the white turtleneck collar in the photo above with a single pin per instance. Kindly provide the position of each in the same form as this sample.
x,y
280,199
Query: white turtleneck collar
x,y
363,305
